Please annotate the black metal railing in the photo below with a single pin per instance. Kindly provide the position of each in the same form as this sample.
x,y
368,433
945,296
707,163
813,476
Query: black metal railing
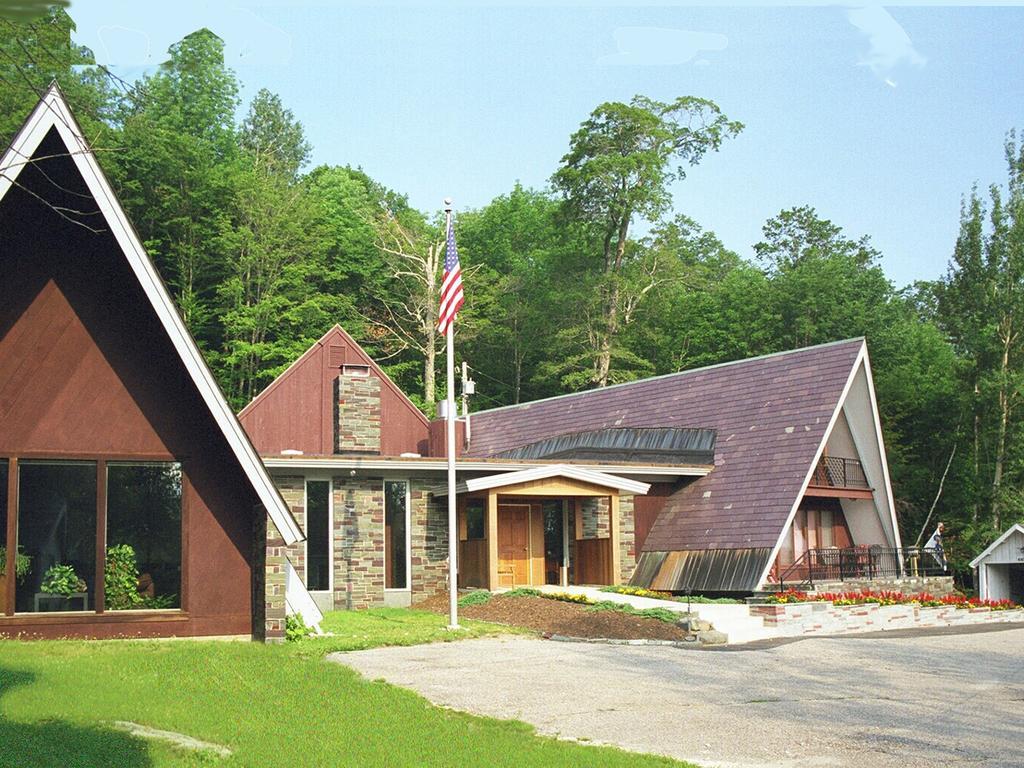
x,y
839,472
860,564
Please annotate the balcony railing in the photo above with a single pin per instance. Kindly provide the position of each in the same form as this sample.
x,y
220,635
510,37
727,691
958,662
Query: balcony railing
x,y
839,472
861,563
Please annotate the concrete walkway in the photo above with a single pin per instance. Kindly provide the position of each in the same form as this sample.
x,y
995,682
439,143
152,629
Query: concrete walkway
x,y
734,619
881,702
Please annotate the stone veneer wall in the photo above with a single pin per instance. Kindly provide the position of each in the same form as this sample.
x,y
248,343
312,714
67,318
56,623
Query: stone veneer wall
x,y
358,543
824,618
271,614
940,586
627,538
359,415
429,541
293,491
594,511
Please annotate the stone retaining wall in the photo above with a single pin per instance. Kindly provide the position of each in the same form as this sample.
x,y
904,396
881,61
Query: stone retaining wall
x,y
939,586
824,618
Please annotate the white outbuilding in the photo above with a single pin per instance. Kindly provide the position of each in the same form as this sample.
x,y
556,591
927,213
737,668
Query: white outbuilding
x,y
1000,568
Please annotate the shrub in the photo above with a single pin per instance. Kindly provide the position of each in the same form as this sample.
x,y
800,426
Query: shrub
x,y
22,563
476,597
121,579
295,627
62,580
626,589
661,614
524,592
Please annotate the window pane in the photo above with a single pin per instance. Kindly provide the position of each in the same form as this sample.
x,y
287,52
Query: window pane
x,y
57,531
474,519
395,526
3,533
143,568
318,553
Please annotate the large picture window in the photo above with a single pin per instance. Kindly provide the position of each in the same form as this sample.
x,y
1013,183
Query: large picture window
x,y
318,535
57,533
3,536
396,534
143,565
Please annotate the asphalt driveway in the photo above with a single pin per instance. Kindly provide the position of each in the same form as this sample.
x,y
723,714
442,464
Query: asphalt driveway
x,y
868,702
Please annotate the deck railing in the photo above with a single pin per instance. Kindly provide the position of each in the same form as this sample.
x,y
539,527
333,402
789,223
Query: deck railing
x,y
861,564
839,472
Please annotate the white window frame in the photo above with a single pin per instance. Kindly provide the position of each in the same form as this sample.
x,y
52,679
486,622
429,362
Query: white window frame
x,y
408,534
330,533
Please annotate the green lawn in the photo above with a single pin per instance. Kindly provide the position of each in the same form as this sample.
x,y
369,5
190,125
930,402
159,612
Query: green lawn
x,y
271,705
356,630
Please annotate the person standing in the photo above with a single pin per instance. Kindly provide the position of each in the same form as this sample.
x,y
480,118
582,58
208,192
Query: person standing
x,y
934,546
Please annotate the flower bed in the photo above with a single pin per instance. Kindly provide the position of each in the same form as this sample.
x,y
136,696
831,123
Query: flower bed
x,y
924,600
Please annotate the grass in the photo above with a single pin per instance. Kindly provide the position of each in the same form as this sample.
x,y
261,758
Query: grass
x,y
661,614
376,627
269,704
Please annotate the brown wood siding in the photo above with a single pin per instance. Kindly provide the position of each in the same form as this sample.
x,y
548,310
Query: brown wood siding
x,y
297,410
86,370
647,508
593,561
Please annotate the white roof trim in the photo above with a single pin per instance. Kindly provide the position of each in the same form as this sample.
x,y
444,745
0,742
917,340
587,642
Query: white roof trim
x,y
861,355
465,465
505,479
53,112
1018,528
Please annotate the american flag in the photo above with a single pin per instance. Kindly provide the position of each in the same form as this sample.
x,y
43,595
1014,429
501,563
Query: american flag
x,y
452,297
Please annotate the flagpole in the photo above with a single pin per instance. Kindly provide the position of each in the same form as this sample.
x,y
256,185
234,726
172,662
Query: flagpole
x,y
453,527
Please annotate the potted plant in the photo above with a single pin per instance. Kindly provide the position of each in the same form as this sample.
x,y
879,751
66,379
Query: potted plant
x,y
62,581
22,565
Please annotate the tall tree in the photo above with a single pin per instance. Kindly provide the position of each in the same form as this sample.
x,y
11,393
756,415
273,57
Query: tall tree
x,y
178,166
619,167
273,137
981,305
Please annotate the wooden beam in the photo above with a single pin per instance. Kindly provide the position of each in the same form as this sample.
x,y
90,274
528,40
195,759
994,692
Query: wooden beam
x,y
492,539
616,567
838,493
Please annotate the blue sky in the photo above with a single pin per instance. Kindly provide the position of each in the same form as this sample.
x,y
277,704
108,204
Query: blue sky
x,y
881,118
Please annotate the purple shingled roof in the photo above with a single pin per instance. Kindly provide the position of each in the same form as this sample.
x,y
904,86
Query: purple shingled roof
x,y
770,413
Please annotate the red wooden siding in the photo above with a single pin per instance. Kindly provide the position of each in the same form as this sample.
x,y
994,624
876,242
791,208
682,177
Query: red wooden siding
x,y
87,371
646,510
297,410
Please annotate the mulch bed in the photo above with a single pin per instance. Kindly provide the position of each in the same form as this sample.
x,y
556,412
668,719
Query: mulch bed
x,y
560,618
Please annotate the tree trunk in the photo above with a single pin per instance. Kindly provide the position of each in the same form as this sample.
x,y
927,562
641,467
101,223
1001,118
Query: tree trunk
x,y
977,448
429,362
1004,416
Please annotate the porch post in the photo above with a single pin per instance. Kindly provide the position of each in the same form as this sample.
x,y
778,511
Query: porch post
x,y
613,541
492,540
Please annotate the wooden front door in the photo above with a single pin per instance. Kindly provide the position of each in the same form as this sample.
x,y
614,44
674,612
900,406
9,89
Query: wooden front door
x,y
513,545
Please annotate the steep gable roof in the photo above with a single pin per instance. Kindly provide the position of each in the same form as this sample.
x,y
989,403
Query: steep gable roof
x,y
52,114
771,415
296,410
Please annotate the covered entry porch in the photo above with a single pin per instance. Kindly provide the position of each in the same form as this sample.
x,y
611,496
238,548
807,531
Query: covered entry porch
x,y
555,524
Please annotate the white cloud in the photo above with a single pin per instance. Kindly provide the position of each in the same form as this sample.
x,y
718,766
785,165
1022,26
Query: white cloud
x,y
890,45
657,46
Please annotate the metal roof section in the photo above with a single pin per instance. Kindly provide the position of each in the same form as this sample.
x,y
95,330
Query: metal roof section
x,y
53,113
507,479
651,445
707,570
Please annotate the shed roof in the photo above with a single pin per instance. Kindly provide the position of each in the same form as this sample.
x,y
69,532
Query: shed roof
x,y
770,413
1018,528
52,115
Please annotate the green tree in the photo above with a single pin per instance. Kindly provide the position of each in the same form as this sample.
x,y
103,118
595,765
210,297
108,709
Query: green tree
x,y
35,51
619,167
273,137
178,170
